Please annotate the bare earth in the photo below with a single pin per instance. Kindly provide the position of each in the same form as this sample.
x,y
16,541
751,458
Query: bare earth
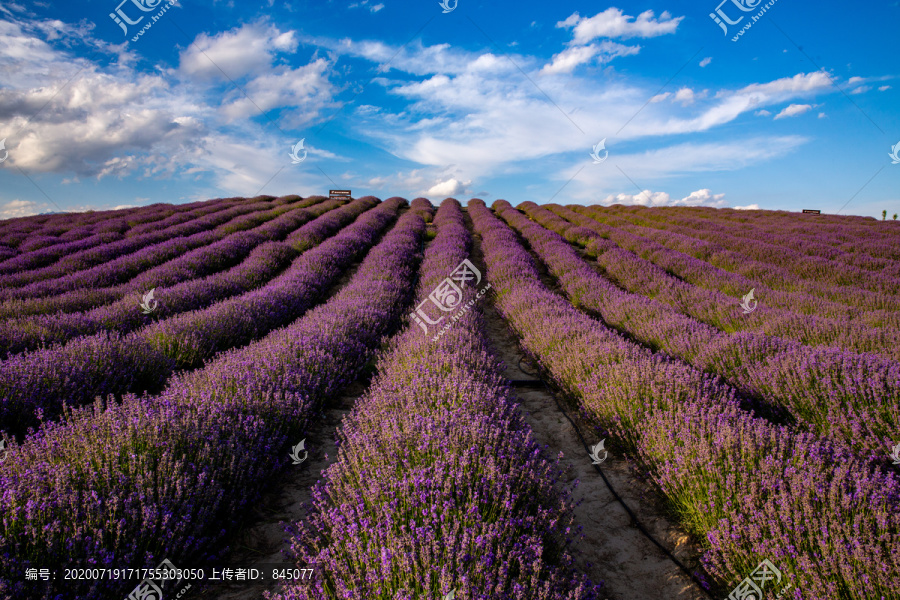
x,y
612,550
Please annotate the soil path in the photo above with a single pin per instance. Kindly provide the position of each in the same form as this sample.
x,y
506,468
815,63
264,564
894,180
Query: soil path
x,y
612,550
263,542
263,538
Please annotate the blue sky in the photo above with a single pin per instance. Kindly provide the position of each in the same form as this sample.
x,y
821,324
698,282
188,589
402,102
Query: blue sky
x,y
489,99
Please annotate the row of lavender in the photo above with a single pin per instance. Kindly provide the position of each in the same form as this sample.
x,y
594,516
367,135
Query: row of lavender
x,y
27,234
156,477
120,267
777,265
845,236
165,263
179,280
750,489
735,272
826,246
439,488
708,293
83,253
851,398
35,385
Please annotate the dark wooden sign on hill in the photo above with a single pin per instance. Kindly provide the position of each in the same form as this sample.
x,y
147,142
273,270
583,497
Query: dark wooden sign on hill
x,y
338,194
811,211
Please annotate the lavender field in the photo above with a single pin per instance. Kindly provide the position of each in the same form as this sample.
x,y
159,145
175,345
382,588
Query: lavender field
x,y
169,370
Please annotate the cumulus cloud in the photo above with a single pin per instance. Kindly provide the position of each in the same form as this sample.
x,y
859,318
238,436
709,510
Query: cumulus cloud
x,y
793,110
235,53
114,121
748,207
613,23
448,188
21,208
702,197
306,88
685,95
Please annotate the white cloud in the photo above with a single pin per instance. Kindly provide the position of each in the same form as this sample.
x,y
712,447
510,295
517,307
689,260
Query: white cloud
x,y
660,97
855,80
677,160
235,53
706,61
613,23
306,87
448,188
374,8
793,110
748,207
884,88
112,121
861,89
762,113
20,208
606,51
823,115
685,95
702,197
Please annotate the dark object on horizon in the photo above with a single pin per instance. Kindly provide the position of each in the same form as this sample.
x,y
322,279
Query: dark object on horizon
x,y
811,211
338,194
883,215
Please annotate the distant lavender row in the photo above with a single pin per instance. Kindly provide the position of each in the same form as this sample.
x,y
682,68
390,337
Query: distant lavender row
x,y
192,337
190,291
748,489
78,226
702,274
852,399
774,264
710,305
848,234
171,476
113,232
219,254
15,231
85,259
813,241
434,447
112,363
836,301
123,268
176,218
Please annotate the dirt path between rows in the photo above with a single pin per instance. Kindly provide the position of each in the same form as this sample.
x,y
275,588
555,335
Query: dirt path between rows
x,y
263,542
612,550
263,538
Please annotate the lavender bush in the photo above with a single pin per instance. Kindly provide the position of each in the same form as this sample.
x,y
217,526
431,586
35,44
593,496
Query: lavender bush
x,y
441,473
829,520
183,341
157,477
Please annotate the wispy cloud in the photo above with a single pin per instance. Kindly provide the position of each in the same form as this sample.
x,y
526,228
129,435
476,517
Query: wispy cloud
x,y
793,110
